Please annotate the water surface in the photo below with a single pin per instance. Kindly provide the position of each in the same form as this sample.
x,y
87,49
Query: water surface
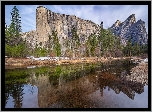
x,y
99,85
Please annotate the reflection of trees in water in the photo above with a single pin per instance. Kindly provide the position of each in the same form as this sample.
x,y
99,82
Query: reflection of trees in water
x,y
14,80
16,91
127,87
64,88
118,66
69,85
17,94
6,94
112,74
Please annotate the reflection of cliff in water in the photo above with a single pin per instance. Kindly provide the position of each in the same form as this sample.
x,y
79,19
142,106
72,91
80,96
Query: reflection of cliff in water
x,y
127,87
72,89
74,92
71,94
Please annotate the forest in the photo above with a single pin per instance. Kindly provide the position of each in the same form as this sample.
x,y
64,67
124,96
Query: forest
x,y
103,44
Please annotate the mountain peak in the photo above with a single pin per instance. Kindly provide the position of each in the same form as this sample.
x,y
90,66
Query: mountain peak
x,y
117,23
131,18
131,27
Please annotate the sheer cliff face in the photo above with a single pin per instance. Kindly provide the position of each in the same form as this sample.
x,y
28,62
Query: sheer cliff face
x,y
131,28
47,21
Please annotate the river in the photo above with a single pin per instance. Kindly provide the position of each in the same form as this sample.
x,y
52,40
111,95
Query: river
x,y
74,86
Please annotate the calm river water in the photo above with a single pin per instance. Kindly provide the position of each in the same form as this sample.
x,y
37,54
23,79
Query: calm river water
x,y
74,86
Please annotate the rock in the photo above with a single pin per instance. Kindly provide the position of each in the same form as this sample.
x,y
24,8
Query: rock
x,y
146,60
139,74
130,28
47,21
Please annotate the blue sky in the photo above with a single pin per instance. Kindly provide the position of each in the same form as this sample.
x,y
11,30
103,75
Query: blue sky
x,y
96,13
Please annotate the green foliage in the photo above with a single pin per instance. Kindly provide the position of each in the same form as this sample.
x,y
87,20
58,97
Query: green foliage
x,y
105,43
92,43
14,76
144,49
108,41
16,20
40,52
14,44
57,46
136,49
75,41
8,50
16,50
128,48
118,47
58,49
12,33
57,70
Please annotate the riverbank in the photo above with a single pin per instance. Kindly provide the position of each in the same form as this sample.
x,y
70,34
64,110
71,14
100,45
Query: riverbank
x,y
139,73
21,62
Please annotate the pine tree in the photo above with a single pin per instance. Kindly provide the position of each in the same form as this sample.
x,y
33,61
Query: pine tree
x,y
111,41
12,33
75,41
118,47
15,46
129,47
136,49
16,22
100,38
56,46
93,44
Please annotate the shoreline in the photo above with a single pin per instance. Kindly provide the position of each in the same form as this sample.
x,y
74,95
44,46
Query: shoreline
x,y
23,62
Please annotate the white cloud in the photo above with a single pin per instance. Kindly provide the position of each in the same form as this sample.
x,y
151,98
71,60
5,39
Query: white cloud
x,y
26,9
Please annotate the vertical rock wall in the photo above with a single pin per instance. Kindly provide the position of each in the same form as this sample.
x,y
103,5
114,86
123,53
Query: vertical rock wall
x,y
47,21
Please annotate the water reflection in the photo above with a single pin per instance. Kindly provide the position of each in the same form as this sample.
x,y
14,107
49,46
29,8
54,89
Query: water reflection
x,y
70,86
119,85
15,91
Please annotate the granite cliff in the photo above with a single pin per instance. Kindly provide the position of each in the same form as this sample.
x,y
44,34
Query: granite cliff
x,y
47,21
130,28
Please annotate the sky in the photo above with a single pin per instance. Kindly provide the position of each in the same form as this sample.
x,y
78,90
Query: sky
x,y
109,14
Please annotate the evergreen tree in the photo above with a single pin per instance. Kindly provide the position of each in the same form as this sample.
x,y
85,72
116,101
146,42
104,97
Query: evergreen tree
x,y
118,47
12,33
15,46
111,41
56,46
128,49
100,38
136,49
93,44
75,41
88,47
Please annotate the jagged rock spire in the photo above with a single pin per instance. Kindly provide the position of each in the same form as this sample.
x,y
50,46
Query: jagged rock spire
x,y
130,27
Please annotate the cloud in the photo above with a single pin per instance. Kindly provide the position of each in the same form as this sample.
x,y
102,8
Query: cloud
x,y
26,9
96,13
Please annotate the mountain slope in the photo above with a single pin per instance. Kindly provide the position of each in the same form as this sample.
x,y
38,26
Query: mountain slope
x,y
131,29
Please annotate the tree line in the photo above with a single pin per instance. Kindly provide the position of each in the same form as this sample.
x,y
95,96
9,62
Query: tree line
x,y
103,44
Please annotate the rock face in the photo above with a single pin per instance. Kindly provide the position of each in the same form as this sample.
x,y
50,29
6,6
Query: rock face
x,y
31,37
47,21
130,28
